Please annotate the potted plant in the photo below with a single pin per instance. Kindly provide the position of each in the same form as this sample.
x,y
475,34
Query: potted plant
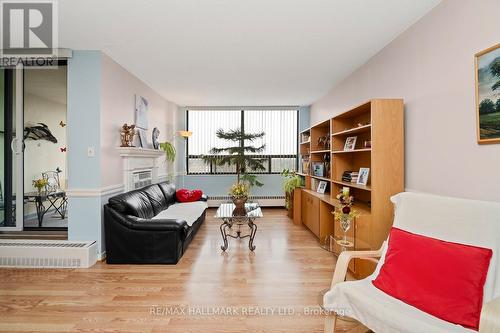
x,y
291,181
169,150
237,154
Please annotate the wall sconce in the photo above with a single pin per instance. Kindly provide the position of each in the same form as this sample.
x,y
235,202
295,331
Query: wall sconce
x,y
185,134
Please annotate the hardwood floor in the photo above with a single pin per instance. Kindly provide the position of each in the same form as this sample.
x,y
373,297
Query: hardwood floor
x,y
270,290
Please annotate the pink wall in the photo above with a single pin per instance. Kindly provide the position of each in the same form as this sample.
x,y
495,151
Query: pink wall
x,y
431,66
117,104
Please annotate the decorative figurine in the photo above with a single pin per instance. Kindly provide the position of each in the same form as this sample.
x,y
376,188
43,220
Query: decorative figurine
x,y
324,141
127,134
326,158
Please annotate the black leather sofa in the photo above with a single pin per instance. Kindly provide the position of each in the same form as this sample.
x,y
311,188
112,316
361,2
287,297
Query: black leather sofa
x,y
134,237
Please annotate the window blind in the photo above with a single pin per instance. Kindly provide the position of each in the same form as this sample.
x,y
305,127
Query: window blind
x,y
279,126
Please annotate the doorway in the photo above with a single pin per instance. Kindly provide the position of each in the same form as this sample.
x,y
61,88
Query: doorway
x,y
33,174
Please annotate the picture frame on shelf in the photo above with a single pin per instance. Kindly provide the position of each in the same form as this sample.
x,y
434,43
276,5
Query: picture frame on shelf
x,y
318,169
350,143
142,138
321,187
305,137
364,174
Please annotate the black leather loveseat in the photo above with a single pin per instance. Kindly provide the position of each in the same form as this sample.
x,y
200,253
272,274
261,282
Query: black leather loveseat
x,y
133,234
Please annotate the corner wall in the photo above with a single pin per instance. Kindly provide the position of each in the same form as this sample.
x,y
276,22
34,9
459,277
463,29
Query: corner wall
x,y
101,97
431,66
83,129
119,88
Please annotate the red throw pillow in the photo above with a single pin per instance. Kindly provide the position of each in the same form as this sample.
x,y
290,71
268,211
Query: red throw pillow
x,y
185,195
441,278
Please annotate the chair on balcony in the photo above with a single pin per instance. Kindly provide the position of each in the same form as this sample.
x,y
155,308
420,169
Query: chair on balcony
x,y
57,196
470,222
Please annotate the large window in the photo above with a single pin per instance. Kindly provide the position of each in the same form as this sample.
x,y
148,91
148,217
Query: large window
x,y
279,126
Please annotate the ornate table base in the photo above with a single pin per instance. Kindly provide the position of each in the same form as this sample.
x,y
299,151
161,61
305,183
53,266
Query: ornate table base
x,y
232,227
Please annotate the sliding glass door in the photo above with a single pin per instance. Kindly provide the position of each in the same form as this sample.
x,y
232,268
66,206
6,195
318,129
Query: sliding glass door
x,y
45,109
11,149
33,130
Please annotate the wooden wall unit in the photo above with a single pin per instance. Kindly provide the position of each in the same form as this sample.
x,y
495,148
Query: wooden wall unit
x,y
380,121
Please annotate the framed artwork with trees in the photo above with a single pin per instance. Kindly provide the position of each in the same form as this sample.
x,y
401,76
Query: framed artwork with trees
x,y
487,66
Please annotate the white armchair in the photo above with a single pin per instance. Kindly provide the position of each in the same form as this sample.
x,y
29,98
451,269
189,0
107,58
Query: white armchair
x,y
462,221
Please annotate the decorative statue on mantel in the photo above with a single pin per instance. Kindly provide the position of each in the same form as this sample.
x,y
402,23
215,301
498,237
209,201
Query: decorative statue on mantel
x,y
127,134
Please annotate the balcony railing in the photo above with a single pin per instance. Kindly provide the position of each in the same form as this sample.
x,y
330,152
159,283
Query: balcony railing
x,y
274,164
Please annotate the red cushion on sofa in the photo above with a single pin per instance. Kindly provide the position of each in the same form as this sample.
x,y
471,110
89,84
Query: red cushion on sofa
x,y
441,278
185,195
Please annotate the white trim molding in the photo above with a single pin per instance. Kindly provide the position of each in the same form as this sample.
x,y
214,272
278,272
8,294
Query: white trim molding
x,y
96,192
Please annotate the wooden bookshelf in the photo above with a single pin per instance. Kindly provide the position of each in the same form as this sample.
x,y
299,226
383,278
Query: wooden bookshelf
x,y
379,127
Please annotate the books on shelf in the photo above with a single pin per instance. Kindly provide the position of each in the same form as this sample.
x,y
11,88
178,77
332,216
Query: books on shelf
x,y
350,176
305,165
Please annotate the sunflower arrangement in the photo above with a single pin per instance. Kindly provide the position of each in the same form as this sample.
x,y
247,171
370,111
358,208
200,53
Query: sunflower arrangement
x,y
239,190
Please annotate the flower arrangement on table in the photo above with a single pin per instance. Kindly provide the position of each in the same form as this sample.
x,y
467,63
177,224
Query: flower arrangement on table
x,y
40,184
239,190
345,215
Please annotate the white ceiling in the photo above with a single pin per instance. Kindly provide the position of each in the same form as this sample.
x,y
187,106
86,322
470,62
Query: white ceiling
x,y
238,52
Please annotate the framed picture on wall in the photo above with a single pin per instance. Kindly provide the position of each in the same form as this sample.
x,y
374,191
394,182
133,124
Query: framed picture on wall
x,y
141,112
487,67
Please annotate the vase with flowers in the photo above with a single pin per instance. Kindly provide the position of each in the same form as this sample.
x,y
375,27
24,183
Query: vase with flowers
x,y
40,184
345,215
239,194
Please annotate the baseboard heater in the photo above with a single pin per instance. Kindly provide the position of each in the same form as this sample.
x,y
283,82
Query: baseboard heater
x,y
264,201
47,253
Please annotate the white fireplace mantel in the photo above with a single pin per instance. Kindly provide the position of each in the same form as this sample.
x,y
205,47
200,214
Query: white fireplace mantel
x,y
140,159
140,152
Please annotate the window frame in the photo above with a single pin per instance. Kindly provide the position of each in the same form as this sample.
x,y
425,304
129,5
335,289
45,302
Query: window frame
x,y
242,123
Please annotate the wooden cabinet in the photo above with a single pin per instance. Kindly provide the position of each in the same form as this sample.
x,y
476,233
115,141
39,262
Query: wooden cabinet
x,y
310,212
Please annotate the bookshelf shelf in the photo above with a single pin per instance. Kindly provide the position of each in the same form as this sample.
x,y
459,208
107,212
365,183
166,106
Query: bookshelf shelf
x,y
354,185
351,151
320,178
320,151
360,129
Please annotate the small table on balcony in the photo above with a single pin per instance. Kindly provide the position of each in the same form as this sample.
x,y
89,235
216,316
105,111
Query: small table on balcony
x,y
238,226
38,198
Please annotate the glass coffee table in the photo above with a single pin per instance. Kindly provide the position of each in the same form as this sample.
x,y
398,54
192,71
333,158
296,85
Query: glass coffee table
x,y
238,226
